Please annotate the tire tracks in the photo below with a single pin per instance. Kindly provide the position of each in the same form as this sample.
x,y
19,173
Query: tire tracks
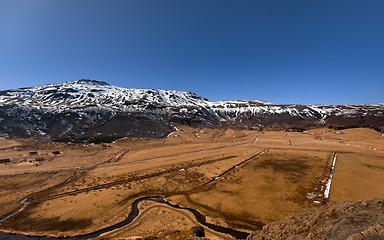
x,y
137,178
26,200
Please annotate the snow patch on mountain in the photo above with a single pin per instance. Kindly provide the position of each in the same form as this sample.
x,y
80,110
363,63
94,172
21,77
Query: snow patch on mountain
x,y
91,108
83,93
87,93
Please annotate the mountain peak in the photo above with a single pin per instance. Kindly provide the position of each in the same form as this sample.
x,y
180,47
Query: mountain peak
x,y
83,108
89,81
89,92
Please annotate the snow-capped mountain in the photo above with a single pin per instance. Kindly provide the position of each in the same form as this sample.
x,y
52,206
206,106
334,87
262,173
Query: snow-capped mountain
x,y
83,93
90,109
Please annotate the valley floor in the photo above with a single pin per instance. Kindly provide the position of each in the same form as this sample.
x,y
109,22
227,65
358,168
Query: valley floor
x,y
237,179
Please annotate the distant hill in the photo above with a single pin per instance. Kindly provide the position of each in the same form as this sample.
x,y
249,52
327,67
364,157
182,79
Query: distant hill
x,y
91,110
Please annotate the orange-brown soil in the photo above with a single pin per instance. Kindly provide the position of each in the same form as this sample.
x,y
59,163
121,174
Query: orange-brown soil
x,y
237,178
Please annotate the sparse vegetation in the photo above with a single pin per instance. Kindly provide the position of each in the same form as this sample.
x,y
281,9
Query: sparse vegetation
x,y
239,179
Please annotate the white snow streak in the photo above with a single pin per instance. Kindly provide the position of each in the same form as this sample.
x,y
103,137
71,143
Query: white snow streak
x,y
328,185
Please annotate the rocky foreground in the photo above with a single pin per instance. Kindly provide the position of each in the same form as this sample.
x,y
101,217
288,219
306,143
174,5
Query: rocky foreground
x,y
347,220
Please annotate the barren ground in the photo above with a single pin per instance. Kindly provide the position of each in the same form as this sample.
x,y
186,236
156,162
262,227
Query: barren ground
x,y
237,179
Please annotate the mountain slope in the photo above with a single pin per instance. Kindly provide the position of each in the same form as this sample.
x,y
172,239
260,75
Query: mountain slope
x,y
90,109
83,93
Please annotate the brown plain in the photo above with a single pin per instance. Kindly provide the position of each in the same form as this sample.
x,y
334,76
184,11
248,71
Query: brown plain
x,y
237,178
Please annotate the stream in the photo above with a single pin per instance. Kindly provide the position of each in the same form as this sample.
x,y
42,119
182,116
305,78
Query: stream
x,y
132,215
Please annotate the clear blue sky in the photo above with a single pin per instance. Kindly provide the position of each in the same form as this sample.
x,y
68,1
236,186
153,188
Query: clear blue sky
x,y
283,51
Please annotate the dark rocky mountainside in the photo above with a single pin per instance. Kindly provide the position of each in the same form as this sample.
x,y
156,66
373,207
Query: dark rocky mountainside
x,y
97,111
347,220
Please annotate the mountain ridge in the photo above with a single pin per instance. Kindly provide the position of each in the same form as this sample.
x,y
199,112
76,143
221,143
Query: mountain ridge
x,y
86,109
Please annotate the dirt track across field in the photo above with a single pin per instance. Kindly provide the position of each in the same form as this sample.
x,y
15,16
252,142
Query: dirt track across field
x,y
238,179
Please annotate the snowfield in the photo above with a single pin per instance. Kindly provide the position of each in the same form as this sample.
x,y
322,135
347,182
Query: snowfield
x,y
88,93
77,107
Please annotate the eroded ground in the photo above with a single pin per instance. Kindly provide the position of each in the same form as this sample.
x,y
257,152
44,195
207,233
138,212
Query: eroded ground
x,y
237,179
